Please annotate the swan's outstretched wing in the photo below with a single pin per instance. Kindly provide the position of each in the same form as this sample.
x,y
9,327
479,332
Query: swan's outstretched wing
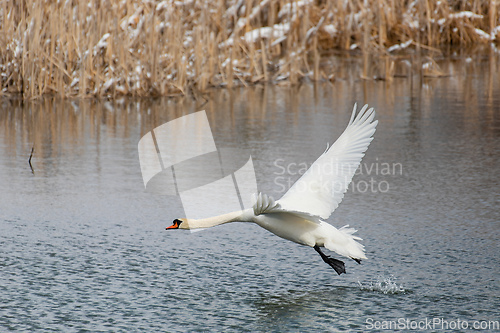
x,y
320,190
265,204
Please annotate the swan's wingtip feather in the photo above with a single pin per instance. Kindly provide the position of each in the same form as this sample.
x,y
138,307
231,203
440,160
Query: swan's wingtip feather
x,y
265,204
353,114
362,115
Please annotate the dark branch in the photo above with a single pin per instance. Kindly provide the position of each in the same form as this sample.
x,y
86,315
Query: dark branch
x,y
29,161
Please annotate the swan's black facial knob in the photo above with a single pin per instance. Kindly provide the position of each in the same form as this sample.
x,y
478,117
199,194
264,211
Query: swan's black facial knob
x,y
175,224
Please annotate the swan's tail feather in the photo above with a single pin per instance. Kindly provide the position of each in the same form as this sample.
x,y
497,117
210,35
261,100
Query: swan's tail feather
x,y
350,231
346,244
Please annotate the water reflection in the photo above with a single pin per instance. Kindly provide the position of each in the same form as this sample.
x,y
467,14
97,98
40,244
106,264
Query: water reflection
x,y
57,126
294,309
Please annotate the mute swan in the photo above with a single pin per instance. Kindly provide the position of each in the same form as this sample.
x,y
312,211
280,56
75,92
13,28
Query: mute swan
x,y
298,216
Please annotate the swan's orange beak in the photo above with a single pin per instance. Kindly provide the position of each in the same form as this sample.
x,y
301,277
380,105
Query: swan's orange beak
x,y
175,224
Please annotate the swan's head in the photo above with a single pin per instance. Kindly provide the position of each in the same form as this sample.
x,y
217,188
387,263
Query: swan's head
x,y
178,224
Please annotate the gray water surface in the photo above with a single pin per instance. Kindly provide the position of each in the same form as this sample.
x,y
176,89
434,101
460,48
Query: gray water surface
x,y
83,245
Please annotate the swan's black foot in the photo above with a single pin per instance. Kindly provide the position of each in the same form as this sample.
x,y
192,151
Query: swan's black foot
x,y
337,265
357,260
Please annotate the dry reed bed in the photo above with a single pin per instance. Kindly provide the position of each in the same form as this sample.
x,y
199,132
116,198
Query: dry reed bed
x,y
152,48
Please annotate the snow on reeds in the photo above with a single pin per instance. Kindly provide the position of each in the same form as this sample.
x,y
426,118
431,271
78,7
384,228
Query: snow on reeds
x,y
152,48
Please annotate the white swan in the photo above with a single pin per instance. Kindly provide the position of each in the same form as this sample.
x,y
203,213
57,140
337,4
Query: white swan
x,y
298,215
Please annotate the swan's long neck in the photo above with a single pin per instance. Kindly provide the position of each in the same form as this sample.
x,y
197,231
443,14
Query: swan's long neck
x,y
239,216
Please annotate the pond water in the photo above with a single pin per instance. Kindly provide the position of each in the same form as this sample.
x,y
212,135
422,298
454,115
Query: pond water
x,y
83,245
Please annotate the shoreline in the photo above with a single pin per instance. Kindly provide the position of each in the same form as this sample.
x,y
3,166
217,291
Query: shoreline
x,y
164,48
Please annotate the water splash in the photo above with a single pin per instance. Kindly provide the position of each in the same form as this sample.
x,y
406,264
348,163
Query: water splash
x,y
383,284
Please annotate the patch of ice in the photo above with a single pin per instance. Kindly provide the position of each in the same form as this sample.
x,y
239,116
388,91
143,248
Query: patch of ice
x,y
482,34
401,46
108,84
330,29
102,44
467,14
162,5
495,32
293,7
74,82
276,31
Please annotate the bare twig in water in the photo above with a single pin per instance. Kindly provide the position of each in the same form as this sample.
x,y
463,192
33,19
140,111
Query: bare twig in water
x,y
29,161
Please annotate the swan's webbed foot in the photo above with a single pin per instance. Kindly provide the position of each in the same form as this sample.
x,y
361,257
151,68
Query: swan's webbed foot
x,y
357,260
336,264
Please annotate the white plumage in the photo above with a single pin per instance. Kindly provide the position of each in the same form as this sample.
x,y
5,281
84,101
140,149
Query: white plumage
x,y
298,215
321,189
